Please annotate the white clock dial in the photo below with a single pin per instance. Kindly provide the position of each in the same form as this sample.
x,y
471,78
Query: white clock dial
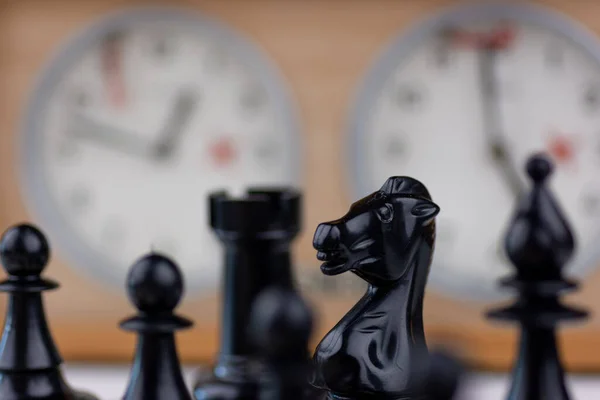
x,y
460,104
131,127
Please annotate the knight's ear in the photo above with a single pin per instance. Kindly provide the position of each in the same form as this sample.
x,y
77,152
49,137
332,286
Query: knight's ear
x,y
425,211
385,213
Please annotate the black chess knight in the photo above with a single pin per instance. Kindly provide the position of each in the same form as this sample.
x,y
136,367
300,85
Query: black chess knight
x,y
378,350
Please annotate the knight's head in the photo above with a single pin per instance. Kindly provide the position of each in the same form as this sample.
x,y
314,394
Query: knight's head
x,y
381,233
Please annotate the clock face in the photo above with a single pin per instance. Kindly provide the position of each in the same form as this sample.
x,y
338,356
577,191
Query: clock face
x,y
460,103
134,123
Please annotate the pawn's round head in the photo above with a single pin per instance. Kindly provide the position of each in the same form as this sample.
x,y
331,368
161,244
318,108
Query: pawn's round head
x,y
154,284
539,167
281,324
24,250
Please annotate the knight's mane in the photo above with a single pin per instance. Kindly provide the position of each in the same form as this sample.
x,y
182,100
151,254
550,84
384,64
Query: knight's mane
x,y
405,186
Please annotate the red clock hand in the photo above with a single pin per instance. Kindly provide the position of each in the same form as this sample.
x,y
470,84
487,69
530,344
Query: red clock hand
x,y
497,39
112,69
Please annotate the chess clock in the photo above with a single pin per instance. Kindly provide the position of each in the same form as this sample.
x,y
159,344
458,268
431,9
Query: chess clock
x,y
132,124
117,117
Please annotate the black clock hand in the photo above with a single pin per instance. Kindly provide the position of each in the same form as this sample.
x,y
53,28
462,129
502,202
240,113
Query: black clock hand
x,y
108,136
181,112
496,143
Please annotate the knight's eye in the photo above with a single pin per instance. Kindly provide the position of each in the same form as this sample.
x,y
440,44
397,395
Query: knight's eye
x,y
385,213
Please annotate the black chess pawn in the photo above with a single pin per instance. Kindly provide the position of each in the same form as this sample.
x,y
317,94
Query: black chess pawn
x,y
444,376
155,287
29,360
378,349
256,231
280,328
539,243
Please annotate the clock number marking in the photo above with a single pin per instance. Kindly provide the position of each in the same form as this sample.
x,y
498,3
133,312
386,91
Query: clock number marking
x,y
408,97
442,56
590,204
113,233
253,98
216,59
554,56
79,98
162,47
591,97
66,148
441,50
79,199
267,150
395,147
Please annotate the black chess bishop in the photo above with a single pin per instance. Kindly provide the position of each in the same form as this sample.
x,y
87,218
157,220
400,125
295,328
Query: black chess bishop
x,y
539,243
29,360
378,349
155,287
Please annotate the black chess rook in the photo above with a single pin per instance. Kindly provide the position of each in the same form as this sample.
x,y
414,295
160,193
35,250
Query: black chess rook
x,y
29,360
256,231
155,287
538,243
378,349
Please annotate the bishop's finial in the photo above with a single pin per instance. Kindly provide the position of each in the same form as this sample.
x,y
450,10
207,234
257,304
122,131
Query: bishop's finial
x,y
539,241
539,167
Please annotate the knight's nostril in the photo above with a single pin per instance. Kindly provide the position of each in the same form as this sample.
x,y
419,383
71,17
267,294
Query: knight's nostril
x,y
320,234
326,236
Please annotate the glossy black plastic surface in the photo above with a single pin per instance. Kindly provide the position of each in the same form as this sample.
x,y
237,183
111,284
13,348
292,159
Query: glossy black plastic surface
x,y
29,360
280,328
378,350
538,242
155,287
444,376
256,232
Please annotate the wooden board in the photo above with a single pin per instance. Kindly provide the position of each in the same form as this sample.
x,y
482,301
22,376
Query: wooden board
x,y
323,48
